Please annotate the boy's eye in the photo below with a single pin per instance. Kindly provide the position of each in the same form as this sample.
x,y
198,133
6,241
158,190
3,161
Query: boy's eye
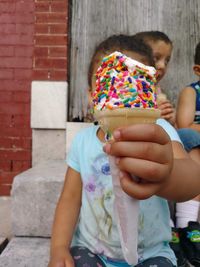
x,y
156,58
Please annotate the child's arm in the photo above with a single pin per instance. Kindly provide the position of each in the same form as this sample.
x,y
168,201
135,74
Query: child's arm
x,y
146,151
186,109
183,183
66,216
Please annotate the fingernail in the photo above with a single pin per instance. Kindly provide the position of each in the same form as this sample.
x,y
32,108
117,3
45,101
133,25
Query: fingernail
x,y
116,134
106,148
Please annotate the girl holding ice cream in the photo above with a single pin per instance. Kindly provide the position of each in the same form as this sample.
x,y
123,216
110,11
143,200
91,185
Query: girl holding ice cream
x,y
85,230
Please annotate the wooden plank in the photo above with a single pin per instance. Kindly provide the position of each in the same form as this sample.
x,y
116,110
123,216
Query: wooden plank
x,y
95,20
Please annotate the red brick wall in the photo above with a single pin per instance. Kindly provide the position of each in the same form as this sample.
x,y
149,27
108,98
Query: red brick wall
x,y
16,49
33,46
50,54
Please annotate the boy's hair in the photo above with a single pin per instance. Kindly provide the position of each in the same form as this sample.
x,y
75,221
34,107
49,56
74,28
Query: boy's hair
x,y
197,54
120,43
153,36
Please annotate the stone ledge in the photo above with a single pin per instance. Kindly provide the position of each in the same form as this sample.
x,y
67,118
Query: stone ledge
x,y
26,252
34,197
48,104
44,142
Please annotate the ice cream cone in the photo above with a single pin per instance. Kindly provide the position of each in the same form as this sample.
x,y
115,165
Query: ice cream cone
x,y
124,95
126,208
109,120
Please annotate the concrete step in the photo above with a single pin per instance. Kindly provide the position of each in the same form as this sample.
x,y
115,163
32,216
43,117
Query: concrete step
x,y
26,252
34,196
35,193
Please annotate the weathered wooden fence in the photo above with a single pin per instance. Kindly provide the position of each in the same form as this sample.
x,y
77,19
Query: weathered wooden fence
x,y
95,20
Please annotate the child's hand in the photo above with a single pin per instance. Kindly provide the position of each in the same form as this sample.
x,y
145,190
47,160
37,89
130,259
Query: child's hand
x,y
145,151
61,258
167,111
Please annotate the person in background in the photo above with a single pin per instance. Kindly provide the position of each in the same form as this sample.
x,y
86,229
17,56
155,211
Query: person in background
x,y
162,48
188,123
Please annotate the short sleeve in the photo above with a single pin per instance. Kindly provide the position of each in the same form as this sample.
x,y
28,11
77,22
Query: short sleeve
x,y
73,155
170,130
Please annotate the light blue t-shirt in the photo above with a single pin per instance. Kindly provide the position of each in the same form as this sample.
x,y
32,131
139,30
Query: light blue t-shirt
x,y
97,229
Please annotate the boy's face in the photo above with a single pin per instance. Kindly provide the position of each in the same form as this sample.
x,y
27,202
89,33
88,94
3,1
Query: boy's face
x,y
130,54
162,53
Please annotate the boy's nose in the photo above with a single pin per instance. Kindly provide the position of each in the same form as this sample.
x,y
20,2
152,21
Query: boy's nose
x,y
161,65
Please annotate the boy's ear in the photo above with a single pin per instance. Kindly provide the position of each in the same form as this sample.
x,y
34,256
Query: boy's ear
x,y
196,69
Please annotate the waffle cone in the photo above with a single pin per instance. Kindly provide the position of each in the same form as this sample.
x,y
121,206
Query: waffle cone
x,y
109,120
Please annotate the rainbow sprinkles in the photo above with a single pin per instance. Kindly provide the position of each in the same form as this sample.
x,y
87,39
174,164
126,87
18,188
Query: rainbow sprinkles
x,y
122,82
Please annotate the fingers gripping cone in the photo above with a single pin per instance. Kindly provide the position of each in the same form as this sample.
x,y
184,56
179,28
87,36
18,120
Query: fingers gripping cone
x,y
124,95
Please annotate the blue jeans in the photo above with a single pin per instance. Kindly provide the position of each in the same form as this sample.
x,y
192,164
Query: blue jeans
x,y
190,138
